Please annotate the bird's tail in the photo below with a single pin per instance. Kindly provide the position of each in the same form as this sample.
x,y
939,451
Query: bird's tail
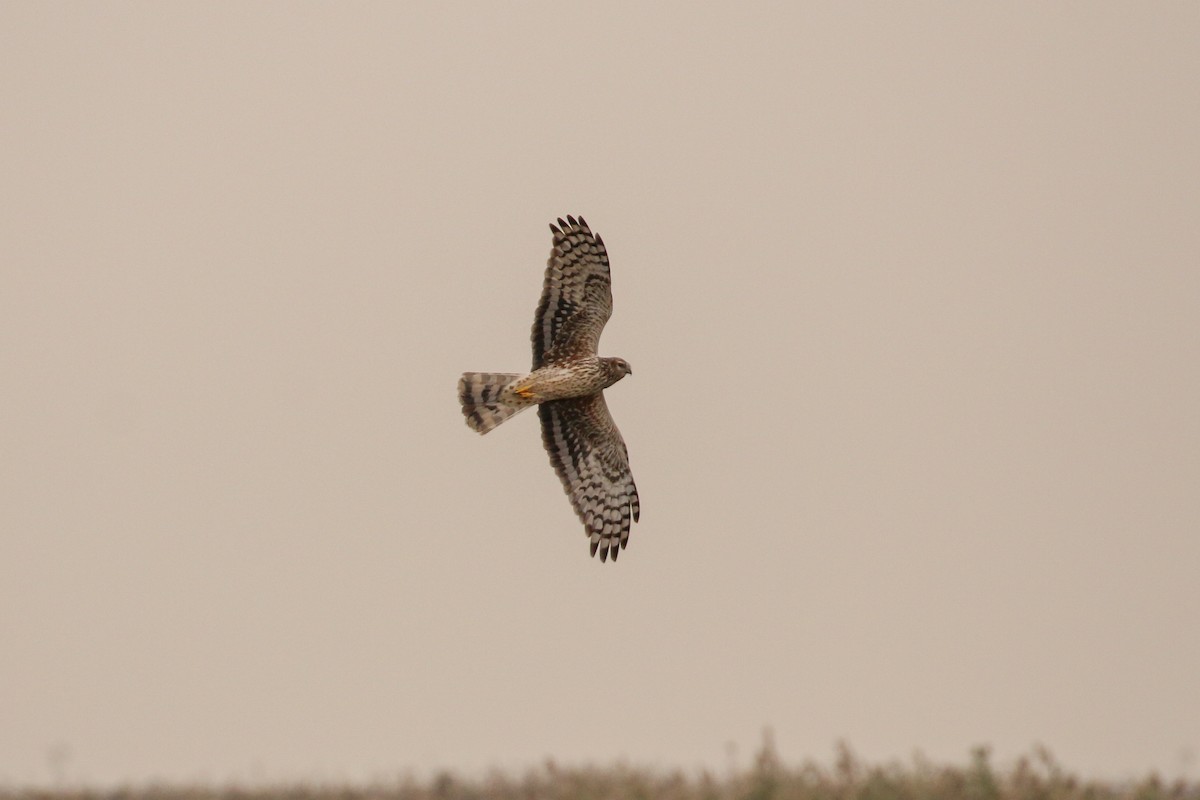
x,y
485,404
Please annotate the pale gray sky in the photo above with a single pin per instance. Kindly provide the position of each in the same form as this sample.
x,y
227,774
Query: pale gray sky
x,y
911,292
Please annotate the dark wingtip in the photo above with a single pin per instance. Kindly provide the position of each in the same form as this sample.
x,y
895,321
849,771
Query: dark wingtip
x,y
614,551
571,220
554,228
562,224
594,546
582,223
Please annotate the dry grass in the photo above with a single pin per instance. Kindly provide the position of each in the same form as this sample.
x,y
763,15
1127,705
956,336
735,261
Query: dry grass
x,y
1034,777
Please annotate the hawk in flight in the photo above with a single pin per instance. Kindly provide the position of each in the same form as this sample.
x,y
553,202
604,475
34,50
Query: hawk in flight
x,y
567,385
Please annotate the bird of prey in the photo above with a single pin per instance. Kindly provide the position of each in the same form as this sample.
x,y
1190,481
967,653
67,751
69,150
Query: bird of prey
x,y
567,385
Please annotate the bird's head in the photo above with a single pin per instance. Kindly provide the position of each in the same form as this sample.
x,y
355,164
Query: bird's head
x,y
617,368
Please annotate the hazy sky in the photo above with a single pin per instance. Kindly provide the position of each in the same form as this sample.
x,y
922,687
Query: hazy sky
x,y
912,296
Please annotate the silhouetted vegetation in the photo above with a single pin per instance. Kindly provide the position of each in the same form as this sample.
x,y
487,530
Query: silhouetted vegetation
x,y
1034,777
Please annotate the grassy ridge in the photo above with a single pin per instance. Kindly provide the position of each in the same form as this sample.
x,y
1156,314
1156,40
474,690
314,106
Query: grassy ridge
x,y
1034,777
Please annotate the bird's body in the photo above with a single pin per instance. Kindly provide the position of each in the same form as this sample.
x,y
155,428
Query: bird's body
x,y
567,379
567,384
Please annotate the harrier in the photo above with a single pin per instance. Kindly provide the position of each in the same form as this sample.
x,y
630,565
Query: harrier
x,y
567,385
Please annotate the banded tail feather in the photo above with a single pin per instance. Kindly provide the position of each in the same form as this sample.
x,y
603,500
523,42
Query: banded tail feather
x,y
485,403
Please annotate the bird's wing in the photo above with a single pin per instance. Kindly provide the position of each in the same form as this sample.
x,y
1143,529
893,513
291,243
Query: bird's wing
x,y
591,460
576,295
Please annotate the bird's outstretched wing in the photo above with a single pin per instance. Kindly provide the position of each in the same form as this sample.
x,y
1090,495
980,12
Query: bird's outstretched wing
x,y
589,455
576,296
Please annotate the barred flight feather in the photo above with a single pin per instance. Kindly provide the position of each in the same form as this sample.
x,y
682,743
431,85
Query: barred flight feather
x,y
576,297
485,403
590,457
